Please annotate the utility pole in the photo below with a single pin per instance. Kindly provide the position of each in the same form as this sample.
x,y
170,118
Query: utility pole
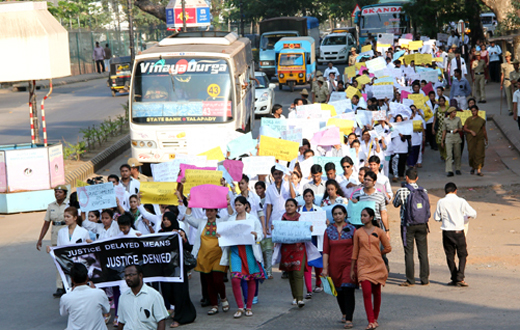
x,y
183,15
131,30
241,19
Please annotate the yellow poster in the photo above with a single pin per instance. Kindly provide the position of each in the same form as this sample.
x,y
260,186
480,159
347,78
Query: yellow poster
x,y
350,71
423,59
383,45
359,65
409,58
329,107
438,59
427,113
415,45
364,79
280,149
158,193
463,115
345,126
80,183
417,126
351,91
366,48
213,154
199,177
418,99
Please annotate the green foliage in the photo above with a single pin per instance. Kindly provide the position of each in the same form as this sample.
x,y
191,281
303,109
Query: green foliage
x,y
84,11
74,151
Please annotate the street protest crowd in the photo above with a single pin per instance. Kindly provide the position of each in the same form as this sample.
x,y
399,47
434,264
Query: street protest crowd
x,y
311,195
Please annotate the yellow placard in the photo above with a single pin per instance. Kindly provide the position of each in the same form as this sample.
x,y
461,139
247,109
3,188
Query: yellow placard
x,y
158,193
351,91
414,45
418,99
383,45
463,115
213,90
409,58
199,177
384,83
213,154
423,59
80,183
280,149
345,126
359,65
363,79
329,107
350,71
427,113
417,126
366,48
438,59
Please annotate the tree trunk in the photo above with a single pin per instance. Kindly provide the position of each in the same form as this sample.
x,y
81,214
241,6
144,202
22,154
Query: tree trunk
x,y
151,8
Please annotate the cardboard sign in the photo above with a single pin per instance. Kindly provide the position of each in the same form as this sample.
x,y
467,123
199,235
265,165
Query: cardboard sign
x,y
280,149
241,145
236,233
382,92
159,193
385,38
208,196
354,211
277,124
199,177
318,220
258,165
417,126
376,64
351,91
423,59
415,45
96,197
213,154
463,115
366,48
345,126
290,232
362,80
234,168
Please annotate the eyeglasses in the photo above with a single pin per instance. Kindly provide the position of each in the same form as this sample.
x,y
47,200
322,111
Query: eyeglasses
x,y
347,166
130,275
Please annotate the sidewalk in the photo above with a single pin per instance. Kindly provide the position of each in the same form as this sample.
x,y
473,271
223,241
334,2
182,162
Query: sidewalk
x,y
42,84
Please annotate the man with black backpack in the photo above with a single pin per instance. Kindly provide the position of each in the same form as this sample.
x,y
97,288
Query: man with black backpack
x,y
415,213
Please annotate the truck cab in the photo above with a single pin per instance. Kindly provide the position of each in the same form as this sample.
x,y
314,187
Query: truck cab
x,y
267,51
296,61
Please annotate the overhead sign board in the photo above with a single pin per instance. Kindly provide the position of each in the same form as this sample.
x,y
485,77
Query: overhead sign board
x,y
196,11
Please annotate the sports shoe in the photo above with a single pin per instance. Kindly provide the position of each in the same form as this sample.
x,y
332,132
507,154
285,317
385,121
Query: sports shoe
x,y
308,296
255,300
301,303
318,289
294,302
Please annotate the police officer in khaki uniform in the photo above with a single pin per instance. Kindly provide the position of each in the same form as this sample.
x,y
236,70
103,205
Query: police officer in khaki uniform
x,y
505,82
315,86
134,171
323,91
54,215
514,76
451,140
478,68
352,57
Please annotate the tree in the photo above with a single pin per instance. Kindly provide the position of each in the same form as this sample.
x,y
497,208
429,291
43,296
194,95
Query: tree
x,y
508,17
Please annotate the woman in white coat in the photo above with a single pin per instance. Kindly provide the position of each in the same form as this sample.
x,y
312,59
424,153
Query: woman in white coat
x,y
73,233
239,257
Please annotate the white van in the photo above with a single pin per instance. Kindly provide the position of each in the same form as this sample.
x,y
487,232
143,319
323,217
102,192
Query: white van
x,y
489,23
335,47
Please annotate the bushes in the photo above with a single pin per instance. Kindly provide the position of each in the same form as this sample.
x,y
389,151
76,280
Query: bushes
x,y
91,136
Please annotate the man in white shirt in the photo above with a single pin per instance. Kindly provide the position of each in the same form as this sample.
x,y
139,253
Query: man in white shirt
x,y
452,211
85,305
141,307
331,69
494,61
453,39
374,163
516,103
458,63
131,185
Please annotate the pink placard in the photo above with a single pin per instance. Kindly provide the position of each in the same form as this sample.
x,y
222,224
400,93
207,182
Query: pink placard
x,y
408,36
365,96
404,94
184,167
371,75
428,88
316,138
208,196
56,165
235,169
3,178
331,137
361,69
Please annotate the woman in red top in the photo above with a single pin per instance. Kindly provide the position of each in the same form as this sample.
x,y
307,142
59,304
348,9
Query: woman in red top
x,y
294,256
337,261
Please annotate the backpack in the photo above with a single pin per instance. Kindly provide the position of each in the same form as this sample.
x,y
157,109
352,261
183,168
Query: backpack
x,y
417,209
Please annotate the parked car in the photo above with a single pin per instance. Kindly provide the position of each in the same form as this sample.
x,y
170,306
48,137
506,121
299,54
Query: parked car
x,y
264,97
335,47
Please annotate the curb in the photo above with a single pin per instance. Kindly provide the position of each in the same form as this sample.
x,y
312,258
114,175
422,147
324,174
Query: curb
x,y
45,83
96,163
511,138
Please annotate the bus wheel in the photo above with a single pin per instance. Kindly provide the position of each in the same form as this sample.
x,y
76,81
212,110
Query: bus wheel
x,y
280,86
291,85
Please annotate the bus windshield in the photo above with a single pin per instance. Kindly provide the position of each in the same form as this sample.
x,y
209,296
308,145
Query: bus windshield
x,y
182,90
383,23
291,59
268,40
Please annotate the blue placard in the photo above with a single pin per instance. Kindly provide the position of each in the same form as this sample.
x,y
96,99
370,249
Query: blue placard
x,y
354,210
289,232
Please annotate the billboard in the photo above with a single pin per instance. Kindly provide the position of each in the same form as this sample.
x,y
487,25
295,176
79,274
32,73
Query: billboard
x,y
196,11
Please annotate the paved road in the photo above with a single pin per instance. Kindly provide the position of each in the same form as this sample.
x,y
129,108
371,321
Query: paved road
x,y
69,109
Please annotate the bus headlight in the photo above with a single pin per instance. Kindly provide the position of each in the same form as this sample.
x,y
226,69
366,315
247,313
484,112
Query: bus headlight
x,y
281,75
149,144
141,144
300,75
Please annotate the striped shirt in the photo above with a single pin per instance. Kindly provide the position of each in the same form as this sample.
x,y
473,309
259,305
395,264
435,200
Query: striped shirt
x,y
400,199
378,197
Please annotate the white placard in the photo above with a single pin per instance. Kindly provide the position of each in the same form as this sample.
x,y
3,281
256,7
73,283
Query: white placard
x,y
258,165
96,197
432,76
403,127
385,39
383,91
337,96
318,220
306,165
342,105
295,135
376,64
236,232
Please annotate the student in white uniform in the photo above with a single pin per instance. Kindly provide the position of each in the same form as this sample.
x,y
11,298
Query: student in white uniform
x,y
73,233
106,229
